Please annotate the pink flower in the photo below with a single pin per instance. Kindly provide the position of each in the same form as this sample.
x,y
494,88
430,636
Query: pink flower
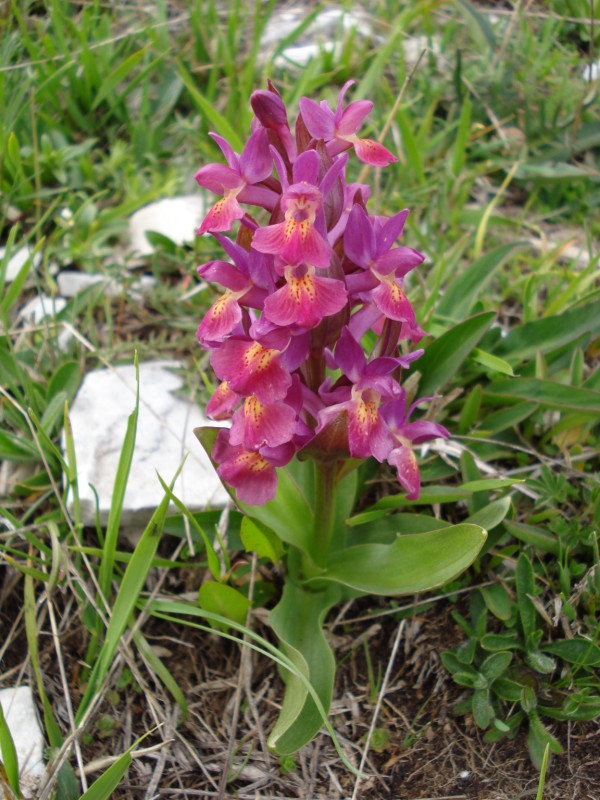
x,y
305,299
236,182
338,129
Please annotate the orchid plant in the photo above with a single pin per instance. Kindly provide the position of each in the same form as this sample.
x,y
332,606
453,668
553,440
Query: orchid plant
x,y
311,279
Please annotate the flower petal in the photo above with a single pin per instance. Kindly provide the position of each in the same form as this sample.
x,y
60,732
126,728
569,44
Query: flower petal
x,y
222,215
318,120
373,153
405,461
251,368
257,424
220,319
305,300
353,116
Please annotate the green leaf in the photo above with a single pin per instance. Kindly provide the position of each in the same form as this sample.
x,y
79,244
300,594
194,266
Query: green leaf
x,y
525,585
507,417
489,484
444,357
483,713
467,287
219,598
217,120
481,21
547,393
491,515
413,563
538,738
131,586
495,665
104,786
117,76
498,600
8,754
297,621
534,536
259,539
582,652
491,362
546,335
66,379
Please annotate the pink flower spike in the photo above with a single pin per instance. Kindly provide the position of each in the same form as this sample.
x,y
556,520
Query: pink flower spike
x,y
305,299
251,368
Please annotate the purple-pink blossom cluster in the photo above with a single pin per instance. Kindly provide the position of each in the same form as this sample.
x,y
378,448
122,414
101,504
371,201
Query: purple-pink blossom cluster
x,y
301,292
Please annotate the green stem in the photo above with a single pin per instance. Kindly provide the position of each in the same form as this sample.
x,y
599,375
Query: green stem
x,y
324,508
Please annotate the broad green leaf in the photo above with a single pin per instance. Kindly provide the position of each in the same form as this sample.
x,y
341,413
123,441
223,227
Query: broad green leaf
x,y
537,537
491,515
498,600
489,484
219,598
462,139
547,393
483,712
297,621
17,448
507,417
537,740
492,362
466,288
444,357
66,379
576,651
261,540
412,563
495,665
545,335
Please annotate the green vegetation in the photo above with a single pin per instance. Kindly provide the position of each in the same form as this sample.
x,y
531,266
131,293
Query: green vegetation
x,y
107,107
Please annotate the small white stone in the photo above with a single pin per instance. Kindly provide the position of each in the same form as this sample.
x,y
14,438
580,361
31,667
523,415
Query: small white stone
x,y
21,716
177,218
40,307
71,282
17,260
164,435
591,71
464,775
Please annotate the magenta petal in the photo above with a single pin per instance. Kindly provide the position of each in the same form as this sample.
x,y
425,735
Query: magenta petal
x,y
359,237
251,368
393,302
224,273
250,474
227,150
391,230
423,431
255,162
306,170
218,178
223,402
222,215
368,435
319,121
405,462
400,261
220,319
349,356
373,153
305,300
270,239
353,116
257,424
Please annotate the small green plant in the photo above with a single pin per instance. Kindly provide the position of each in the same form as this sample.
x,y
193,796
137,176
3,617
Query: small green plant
x,y
514,673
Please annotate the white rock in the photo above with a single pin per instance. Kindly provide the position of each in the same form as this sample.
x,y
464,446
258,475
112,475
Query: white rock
x,y
40,307
591,71
326,32
17,260
177,218
21,717
71,282
164,435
